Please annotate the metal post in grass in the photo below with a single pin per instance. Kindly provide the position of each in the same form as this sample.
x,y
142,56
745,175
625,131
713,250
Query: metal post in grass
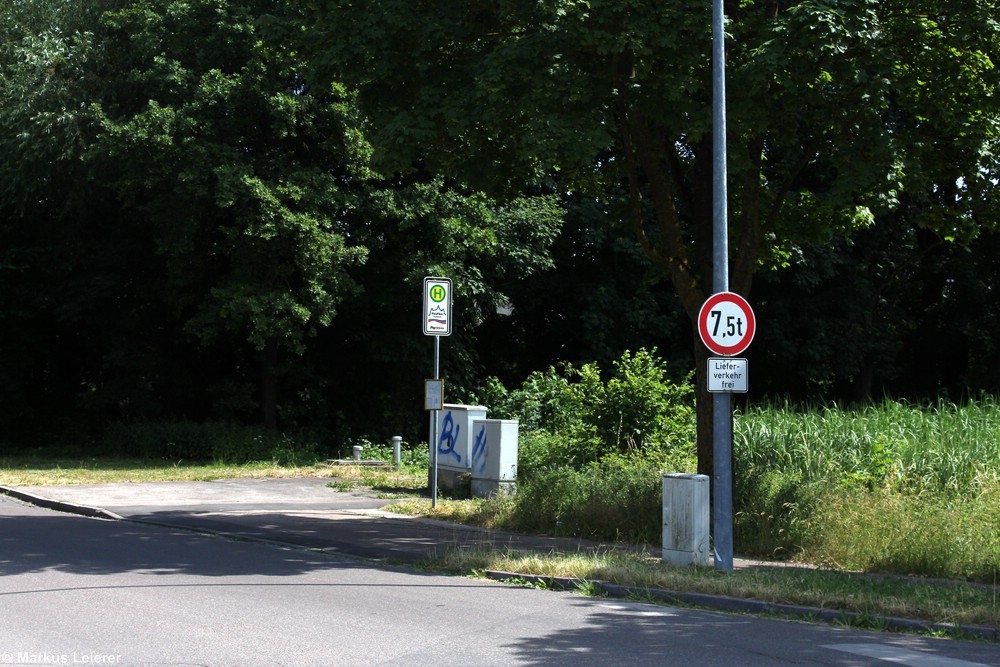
x,y
722,424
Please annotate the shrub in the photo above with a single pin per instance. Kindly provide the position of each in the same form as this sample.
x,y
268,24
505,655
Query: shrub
x,y
616,499
546,401
211,441
570,417
639,410
541,450
409,455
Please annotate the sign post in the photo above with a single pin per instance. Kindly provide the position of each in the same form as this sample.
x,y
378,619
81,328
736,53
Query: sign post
x,y
437,323
726,324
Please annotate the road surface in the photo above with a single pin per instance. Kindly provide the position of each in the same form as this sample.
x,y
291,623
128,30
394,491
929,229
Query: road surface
x,y
76,590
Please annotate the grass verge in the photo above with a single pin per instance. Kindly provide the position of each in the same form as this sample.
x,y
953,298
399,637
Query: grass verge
x,y
934,602
28,471
877,596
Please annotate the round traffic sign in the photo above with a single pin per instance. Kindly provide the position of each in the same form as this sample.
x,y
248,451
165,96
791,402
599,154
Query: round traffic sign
x,y
438,292
726,324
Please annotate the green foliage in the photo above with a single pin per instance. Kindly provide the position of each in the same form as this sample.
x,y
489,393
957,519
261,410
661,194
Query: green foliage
x,y
541,450
192,227
888,488
241,172
769,509
616,499
571,416
409,454
893,486
547,400
886,530
832,124
941,448
211,441
638,410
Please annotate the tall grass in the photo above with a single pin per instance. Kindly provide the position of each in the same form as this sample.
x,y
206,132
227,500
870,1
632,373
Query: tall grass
x,y
889,486
893,486
943,447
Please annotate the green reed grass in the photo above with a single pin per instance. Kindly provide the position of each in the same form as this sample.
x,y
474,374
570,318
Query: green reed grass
x,y
942,447
892,486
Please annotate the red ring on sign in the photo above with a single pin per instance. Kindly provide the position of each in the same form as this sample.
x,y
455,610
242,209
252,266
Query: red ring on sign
x,y
751,324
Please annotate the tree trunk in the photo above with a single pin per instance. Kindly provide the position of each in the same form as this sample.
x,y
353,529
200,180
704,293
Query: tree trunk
x,y
705,409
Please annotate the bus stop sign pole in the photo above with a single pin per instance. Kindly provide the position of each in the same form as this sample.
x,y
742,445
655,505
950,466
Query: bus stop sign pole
x,y
437,323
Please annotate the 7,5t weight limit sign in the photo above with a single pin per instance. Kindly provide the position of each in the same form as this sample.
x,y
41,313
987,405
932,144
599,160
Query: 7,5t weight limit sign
x,y
726,324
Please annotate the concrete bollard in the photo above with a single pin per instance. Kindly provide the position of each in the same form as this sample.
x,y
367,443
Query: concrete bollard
x,y
357,452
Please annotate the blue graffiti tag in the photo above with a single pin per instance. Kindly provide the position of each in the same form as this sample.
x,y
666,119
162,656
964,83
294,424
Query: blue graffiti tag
x,y
446,443
479,451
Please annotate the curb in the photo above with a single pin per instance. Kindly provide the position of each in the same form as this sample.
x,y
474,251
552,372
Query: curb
x,y
750,606
60,506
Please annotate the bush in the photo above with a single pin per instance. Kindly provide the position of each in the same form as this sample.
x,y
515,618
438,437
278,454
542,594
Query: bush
x,y
538,451
616,499
212,441
546,401
409,455
638,410
570,417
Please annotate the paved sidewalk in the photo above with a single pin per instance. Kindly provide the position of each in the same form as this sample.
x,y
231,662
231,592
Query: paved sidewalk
x,y
301,512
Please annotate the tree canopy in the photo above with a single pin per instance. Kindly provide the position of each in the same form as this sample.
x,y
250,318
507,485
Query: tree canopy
x,y
197,191
833,121
224,208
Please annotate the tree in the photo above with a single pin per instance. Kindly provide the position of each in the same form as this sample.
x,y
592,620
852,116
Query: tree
x,y
53,228
375,356
186,215
240,168
831,120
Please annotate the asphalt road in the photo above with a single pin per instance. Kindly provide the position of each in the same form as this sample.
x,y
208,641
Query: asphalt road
x,y
75,590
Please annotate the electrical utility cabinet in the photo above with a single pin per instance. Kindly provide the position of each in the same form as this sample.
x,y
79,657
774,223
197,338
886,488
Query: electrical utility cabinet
x,y
494,456
685,519
454,442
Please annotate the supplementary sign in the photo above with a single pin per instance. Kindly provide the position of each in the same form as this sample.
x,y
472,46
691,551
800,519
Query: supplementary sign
x,y
433,394
437,306
726,324
726,374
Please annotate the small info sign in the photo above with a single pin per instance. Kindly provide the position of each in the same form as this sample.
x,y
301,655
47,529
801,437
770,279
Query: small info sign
x,y
727,375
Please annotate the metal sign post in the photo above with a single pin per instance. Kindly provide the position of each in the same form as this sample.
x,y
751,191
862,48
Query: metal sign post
x,y
437,323
722,420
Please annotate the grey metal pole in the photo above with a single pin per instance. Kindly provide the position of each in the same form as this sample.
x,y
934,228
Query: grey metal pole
x,y
722,425
434,427
397,453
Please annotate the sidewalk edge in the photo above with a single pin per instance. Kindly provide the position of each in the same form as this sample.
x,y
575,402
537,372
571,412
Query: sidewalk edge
x,y
60,505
